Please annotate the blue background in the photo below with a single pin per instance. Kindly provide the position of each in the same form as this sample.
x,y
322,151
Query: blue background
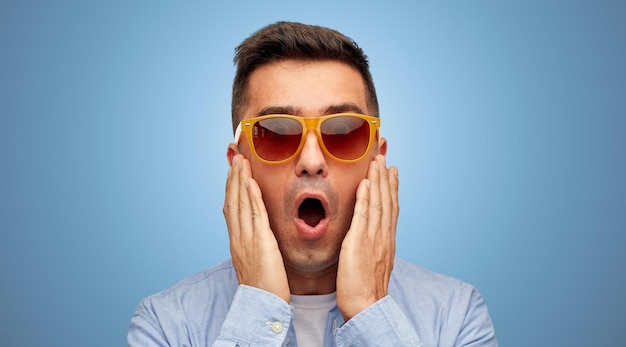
x,y
506,120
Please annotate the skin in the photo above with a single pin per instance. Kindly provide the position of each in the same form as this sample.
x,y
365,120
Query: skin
x,y
353,253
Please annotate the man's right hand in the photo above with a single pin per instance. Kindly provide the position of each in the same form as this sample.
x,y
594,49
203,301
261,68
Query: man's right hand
x,y
253,247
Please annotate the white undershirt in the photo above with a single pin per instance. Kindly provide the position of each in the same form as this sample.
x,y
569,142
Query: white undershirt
x,y
311,312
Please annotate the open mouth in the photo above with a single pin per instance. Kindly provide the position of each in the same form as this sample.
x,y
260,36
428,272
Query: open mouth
x,y
311,211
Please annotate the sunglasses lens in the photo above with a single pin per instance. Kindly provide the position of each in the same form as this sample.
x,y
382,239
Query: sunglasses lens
x,y
346,137
276,138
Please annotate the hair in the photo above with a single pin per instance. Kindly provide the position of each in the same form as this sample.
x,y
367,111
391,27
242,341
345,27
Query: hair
x,y
289,40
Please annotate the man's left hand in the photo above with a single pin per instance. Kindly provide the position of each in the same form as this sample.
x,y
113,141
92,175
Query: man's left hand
x,y
368,250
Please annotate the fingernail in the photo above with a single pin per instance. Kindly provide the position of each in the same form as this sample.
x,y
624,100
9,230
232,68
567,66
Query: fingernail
x,y
235,160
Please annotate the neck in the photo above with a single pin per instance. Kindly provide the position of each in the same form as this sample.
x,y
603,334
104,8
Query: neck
x,y
312,283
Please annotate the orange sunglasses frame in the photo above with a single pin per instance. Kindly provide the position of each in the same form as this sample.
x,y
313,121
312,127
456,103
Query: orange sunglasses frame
x,y
246,125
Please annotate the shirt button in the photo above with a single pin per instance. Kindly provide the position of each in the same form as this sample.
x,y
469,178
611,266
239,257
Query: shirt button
x,y
277,327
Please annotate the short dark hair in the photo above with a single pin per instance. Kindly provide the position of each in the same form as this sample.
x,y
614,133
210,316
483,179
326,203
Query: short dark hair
x,y
289,40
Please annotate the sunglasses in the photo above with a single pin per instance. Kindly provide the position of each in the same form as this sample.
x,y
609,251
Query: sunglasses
x,y
277,138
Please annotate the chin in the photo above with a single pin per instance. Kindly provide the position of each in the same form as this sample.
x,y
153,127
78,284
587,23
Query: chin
x,y
310,261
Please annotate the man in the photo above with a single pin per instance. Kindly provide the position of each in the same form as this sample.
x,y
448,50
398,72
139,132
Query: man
x,y
311,209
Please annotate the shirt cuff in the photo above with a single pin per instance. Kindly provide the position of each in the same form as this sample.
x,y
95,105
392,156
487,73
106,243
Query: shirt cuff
x,y
381,324
256,317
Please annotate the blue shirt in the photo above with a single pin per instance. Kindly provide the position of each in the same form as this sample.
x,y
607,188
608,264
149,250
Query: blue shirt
x,y
423,308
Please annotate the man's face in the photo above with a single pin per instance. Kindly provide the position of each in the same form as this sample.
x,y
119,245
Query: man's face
x,y
310,199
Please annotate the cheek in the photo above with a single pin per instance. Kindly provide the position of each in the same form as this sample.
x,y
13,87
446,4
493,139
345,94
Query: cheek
x,y
348,176
273,183
350,195
346,189
348,184
268,185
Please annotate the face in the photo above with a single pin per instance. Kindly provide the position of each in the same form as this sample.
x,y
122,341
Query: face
x,y
309,199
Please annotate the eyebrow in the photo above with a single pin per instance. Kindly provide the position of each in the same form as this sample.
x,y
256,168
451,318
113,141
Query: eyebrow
x,y
278,110
296,111
343,108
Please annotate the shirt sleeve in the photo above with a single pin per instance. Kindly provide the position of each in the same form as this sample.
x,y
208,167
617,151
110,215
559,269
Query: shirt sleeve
x,y
382,321
144,330
384,324
477,329
256,318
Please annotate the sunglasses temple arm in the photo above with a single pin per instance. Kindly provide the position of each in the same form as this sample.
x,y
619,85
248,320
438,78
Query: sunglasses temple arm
x,y
237,134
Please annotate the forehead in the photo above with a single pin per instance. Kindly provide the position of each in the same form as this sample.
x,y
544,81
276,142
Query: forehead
x,y
307,88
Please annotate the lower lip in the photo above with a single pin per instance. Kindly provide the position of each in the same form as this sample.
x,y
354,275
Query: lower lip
x,y
311,233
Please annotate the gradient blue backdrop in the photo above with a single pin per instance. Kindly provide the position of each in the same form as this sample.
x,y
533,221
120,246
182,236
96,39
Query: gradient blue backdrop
x,y
506,120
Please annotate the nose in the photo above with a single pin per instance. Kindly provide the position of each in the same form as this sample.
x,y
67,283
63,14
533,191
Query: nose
x,y
311,160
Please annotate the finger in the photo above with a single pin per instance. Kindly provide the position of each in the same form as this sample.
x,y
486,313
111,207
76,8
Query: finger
x,y
231,200
360,216
386,200
394,184
395,210
375,203
246,228
260,220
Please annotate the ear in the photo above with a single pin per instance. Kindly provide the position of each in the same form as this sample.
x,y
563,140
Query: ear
x,y
382,146
231,152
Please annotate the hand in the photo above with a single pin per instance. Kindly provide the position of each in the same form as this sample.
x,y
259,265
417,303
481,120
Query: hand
x,y
253,247
368,250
